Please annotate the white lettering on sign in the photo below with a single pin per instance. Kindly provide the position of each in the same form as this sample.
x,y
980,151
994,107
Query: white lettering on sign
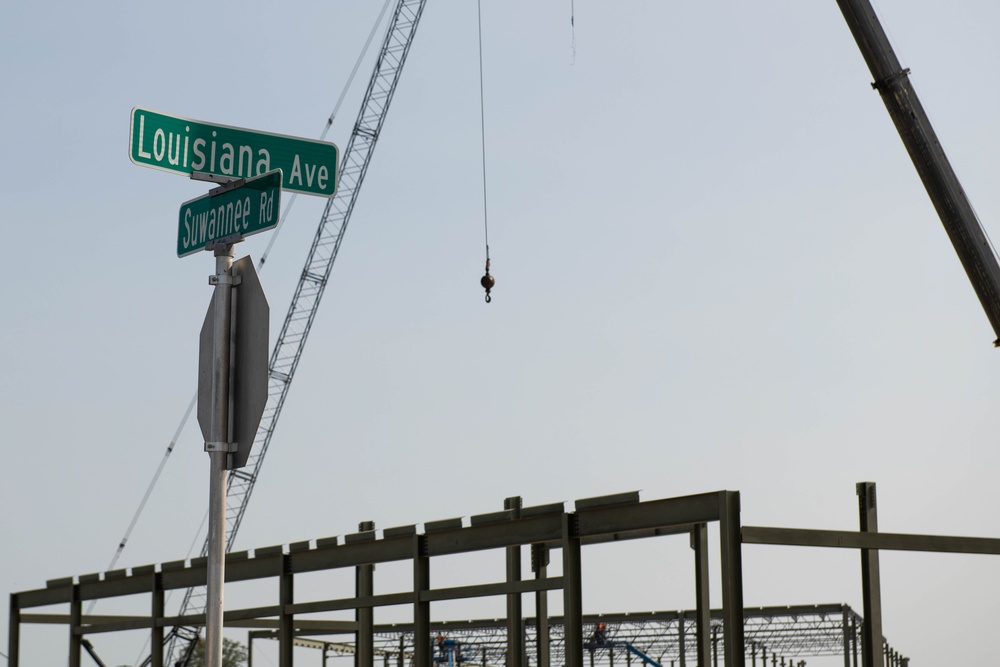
x,y
266,207
176,149
216,223
320,176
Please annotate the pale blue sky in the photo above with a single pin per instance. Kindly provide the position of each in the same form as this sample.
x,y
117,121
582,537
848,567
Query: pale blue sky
x,y
716,268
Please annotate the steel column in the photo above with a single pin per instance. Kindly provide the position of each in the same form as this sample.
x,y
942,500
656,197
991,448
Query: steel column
x,y
421,608
75,621
14,633
364,654
515,611
871,630
156,630
854,641
401,658
680,641
847,639
703,609
286,621
539,563
572,592
732,578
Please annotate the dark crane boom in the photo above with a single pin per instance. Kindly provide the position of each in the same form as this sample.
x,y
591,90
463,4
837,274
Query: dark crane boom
x,y
914,127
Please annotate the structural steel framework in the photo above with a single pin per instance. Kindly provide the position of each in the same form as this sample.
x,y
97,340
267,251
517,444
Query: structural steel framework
x,y
731,632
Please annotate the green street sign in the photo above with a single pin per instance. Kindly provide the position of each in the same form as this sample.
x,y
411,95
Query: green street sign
x,y
185,146
242,210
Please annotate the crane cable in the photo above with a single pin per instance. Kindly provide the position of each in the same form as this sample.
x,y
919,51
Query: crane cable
x,y
260,265
487,281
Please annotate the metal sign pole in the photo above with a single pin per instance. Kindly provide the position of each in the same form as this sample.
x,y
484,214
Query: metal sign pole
x,y
219,449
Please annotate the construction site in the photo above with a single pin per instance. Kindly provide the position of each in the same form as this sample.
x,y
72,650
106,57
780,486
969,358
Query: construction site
x,y
373,595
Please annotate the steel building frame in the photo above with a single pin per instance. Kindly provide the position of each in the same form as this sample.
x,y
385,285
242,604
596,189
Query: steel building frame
x,y
730,632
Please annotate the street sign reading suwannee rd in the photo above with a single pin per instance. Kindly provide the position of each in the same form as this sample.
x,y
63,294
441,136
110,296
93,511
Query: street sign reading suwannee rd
x,y
248,209
185,146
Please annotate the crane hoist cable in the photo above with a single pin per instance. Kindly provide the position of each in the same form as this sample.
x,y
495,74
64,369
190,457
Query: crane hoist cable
x,y
487,281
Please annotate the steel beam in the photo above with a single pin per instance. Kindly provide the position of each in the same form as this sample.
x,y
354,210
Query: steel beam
x,y
364,656
842,539
156,629
515,611
680,641
703,609
871,630
421,607
286,619
75,629
847,639
732,577
540,563
572,591
14,633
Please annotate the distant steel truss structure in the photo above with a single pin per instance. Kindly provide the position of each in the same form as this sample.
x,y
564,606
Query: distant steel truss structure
x,y
772,636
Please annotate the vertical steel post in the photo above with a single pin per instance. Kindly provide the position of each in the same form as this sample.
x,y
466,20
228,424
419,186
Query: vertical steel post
x,y
753,654
715,648
854,641
572,591
421,607
156,622
250,649
515,611
703,609
847,638
871,630
732,577
680,641
286,621
364,654
75,623
401,658
218,450
540,563
14,633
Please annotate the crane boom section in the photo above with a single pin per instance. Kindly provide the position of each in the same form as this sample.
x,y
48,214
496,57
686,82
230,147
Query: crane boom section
x,y
942,185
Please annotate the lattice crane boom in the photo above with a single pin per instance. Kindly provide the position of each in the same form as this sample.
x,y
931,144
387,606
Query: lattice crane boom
x,y
315,275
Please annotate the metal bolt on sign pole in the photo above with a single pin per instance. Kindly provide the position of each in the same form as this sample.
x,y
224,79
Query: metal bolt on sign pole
x,y
219,449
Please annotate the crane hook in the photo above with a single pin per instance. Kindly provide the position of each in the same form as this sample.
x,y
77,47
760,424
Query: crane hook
x,y
487,281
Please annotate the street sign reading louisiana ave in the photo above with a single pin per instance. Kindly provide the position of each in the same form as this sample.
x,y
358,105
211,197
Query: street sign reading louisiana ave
x,y
185,146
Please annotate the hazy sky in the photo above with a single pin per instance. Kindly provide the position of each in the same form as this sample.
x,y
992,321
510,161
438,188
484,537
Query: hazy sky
x,y
716,268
